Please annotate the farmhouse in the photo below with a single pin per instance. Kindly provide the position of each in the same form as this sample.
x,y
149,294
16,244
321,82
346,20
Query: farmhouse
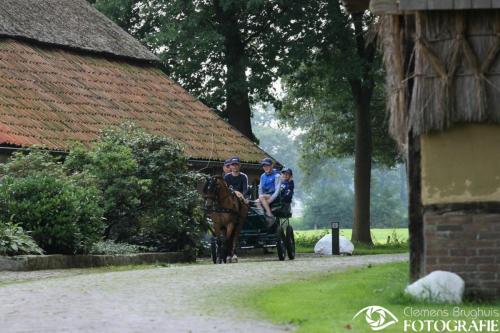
x,y
67,71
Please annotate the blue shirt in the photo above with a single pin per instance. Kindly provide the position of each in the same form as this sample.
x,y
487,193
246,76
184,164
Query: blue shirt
x,y
270,184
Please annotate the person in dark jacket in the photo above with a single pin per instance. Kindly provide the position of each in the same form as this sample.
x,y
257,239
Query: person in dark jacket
x,y
287,185
237,180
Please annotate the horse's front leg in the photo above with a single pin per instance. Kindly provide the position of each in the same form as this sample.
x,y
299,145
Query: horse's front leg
x,y
229,240
236,237
235,242
217,239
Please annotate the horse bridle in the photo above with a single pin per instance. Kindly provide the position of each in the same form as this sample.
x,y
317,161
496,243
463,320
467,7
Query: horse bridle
x,y
213,187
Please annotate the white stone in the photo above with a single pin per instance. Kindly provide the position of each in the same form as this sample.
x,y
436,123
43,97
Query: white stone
x,y
324,245
438,287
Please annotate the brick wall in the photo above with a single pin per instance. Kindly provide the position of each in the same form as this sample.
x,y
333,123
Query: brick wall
x,y
466,244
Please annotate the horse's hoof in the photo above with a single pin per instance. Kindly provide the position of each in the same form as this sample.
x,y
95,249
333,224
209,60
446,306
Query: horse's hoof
x,y
219,261
234,259
229,260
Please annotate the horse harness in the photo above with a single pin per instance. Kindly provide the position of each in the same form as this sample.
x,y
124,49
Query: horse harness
x,y
216,209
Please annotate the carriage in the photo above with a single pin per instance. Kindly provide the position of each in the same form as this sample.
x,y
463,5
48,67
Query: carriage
x,y
257,233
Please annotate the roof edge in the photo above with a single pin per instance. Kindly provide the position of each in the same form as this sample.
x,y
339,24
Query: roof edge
x,y
155,63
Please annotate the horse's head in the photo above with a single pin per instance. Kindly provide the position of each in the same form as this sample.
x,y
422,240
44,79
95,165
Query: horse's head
x,y
212,189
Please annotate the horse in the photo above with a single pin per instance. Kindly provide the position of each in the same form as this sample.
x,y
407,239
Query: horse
x,y
228,213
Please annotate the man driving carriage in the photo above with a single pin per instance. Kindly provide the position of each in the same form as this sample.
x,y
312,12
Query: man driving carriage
x,y
236,180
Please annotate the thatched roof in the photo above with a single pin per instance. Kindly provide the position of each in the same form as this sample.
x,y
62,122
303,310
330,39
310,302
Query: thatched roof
x,y
53,97
68,23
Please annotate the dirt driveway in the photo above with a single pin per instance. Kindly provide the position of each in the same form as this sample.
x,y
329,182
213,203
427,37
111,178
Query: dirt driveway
x,y
189,298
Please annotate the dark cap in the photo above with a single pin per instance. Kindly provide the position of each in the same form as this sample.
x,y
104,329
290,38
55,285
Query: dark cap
x,y
287,170
226,162
266,161
234,160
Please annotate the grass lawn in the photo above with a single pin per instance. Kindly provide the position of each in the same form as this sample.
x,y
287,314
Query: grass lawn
x,y
328,303
306,239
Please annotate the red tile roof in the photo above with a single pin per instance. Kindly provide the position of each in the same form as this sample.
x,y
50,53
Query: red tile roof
x,y
53,97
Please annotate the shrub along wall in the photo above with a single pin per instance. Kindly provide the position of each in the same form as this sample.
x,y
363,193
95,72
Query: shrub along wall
x,y
131,187
61,211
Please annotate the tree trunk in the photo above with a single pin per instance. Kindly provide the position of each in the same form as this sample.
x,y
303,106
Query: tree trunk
x,y
238,104
237,100
362,171
362,90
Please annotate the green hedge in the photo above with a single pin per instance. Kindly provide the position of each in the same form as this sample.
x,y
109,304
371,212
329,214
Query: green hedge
x,y
131,187
62,212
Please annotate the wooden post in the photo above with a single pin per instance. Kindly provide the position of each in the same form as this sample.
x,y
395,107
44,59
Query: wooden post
x,y
415,218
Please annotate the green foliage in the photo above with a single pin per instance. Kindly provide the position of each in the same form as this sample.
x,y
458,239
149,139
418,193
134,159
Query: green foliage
x,y
115,171
15,241
110,247
23,164
150,197
320,98
61,211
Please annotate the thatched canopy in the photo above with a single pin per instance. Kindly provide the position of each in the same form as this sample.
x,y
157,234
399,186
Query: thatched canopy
x,y
400,6
71,23
456,72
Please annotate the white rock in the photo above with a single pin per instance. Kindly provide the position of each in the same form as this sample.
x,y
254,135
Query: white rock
x,y
438,287
324,245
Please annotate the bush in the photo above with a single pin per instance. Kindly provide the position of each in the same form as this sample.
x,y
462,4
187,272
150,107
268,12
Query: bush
x,y
114,168
111,248
61,212
150,197
14,241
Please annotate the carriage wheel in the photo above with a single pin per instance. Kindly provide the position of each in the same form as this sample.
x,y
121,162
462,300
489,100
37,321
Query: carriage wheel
x,y
280,244
213,249
290,243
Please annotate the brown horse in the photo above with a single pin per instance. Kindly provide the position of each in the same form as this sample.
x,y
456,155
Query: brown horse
x,y
228,213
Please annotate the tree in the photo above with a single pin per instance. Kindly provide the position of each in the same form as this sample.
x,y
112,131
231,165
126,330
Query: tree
x,y
335,98
225,52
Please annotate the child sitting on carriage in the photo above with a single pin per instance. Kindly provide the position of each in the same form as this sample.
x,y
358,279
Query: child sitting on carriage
x,y
287,187
269,187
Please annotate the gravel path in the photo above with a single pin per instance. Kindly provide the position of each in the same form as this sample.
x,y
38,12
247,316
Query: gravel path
x,y
186,298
